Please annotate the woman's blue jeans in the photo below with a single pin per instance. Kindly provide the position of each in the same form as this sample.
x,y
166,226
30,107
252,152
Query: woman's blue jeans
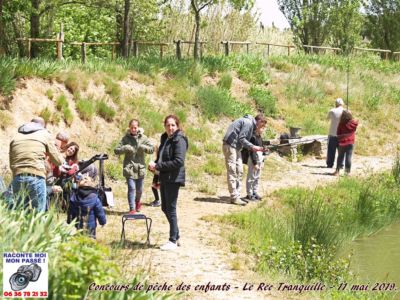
x,y
345,153
135,190
169,197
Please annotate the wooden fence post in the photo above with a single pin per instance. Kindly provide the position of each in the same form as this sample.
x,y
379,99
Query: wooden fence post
x,y
83,52
29,48
226,48
135,49
178,49
268,50
161,51
247,48
201,50
113,52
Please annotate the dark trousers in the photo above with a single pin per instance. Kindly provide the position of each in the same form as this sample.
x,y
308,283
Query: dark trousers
x,y
345,153
332,146
169,197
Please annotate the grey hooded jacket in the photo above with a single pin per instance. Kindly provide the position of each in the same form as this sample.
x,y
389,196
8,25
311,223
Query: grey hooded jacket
x,y
240,132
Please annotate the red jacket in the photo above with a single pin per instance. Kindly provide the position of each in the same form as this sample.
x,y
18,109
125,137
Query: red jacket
x,y
347,133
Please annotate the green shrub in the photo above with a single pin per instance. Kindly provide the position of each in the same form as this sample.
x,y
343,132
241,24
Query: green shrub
x,y
212,148
86,109
214,166
46,115
202,134
215,102
41,68
194,149
112,88
396,168
312,219
310,262
182,116
68,116
6,119
196,74
114,171
61,102
50,94
216,64
251,68
264,99
225,82
7,76
105,111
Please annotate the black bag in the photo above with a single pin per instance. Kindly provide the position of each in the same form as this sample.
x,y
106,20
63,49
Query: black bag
x,y
245,155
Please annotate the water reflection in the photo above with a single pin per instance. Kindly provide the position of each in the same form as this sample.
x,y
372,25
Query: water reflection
x,y
376,258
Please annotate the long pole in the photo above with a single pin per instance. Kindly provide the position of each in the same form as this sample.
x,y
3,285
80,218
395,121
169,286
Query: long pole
x,y
348,78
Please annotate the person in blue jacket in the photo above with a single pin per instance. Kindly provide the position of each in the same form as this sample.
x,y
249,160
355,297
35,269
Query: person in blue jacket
x,y
85,208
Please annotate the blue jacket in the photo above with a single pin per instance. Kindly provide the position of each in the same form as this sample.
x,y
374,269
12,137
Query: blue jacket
x,y
85,207
240,132
172,163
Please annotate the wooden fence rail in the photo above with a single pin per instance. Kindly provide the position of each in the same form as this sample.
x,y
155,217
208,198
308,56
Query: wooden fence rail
x,y
84,44
135,47
335,50
227,43
276,45
59,44
386,52
178,44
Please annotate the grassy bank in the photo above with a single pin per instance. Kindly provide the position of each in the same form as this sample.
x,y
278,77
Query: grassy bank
x,y
293,91
299,236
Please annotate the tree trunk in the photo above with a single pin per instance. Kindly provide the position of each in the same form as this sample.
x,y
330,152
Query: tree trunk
x,y
18,34
118,23
35,26
3,43
125,43
196,50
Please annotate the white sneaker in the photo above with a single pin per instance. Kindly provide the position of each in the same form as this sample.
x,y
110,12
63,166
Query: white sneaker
x,y
169,246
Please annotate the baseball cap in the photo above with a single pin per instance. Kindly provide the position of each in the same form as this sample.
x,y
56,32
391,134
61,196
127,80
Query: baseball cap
x,y
339,101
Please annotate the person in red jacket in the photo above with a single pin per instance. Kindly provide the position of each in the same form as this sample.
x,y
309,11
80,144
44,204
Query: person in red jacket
x,y
346,133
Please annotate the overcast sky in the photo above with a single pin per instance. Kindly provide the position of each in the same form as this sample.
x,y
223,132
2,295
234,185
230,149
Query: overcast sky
x,y
270,13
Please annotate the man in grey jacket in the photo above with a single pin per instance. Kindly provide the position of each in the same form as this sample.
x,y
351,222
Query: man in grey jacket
x,y
237,137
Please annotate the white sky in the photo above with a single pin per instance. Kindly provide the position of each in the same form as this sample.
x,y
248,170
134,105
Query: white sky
x,y
270,13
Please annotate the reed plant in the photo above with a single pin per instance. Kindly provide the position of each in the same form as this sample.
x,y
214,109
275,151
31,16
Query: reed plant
x,y
225,82
86,108
105,111
215,102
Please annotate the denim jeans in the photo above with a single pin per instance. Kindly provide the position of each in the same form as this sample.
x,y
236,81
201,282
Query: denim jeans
x,y
332,146
135,190
169,197
30,191
345,151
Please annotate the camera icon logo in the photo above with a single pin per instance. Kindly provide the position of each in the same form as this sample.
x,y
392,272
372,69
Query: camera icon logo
x,y
25,274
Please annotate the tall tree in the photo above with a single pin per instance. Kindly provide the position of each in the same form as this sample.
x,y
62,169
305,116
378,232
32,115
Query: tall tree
x,y
383,23
346,24
35,25
198,5
2,33
308,19
125,35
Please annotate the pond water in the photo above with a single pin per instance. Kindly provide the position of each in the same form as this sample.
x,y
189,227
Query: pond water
x,y
376,258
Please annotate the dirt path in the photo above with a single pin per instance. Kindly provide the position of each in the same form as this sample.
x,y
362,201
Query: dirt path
x,y
204,255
